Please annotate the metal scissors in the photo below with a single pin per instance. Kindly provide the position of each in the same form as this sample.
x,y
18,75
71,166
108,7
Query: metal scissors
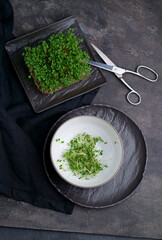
x,y
119,72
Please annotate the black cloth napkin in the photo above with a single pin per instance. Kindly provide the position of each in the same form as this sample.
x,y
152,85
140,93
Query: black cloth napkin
x,y
23,132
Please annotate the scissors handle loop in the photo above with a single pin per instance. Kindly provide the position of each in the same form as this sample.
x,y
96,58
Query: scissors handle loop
x,y
132,92
151,70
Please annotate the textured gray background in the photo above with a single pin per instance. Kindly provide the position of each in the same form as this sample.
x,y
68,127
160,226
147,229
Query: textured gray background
x,y
130,33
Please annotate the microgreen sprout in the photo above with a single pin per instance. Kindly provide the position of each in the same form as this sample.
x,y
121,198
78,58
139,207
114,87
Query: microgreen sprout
x,y
59,140
57,62
83,156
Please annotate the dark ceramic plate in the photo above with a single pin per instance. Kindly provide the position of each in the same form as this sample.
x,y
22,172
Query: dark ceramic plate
x,y
131,171
39,101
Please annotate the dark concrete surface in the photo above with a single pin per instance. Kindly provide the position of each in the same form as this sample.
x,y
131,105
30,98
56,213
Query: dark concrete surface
x,y
25,234
130,33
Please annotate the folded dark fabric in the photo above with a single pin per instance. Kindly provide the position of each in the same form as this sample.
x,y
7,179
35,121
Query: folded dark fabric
x,y
23,132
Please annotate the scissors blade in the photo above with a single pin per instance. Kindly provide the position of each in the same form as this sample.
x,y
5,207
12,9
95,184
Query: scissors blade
x,y
110,68
105,59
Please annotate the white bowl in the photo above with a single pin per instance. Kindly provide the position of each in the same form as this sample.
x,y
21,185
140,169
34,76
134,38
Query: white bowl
x,y
96,127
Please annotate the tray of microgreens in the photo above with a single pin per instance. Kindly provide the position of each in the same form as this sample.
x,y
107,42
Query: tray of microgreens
x,y
57,62
52,64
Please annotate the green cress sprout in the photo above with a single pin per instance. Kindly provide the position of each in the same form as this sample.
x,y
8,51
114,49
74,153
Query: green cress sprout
x,y
83,157
57,62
